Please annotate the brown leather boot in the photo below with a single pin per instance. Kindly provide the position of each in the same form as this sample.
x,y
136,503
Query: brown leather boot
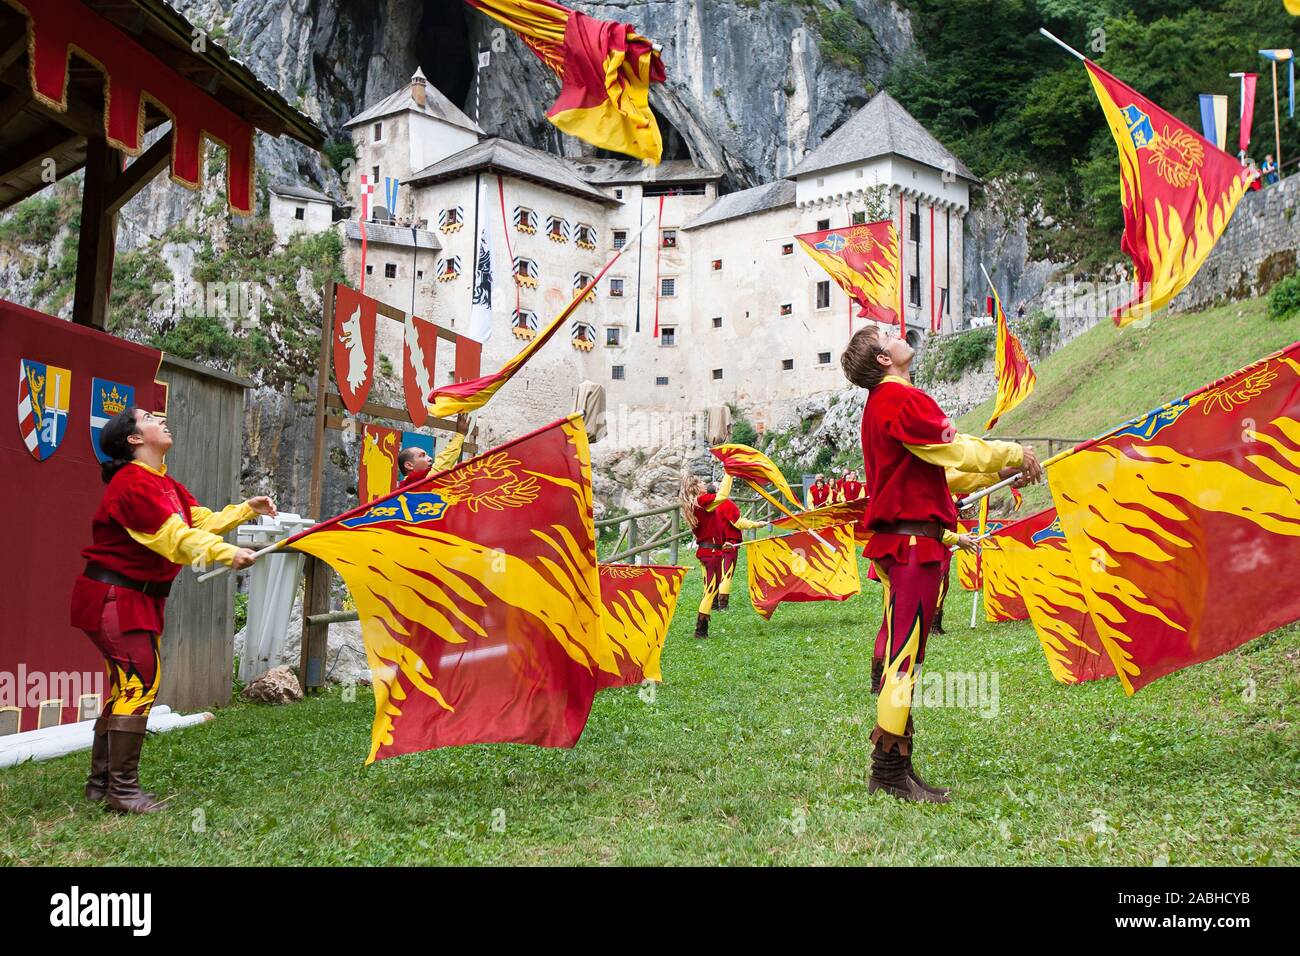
x,y
877,674
911,771
889,770
125,739
701,626
97,782
721,603
936,627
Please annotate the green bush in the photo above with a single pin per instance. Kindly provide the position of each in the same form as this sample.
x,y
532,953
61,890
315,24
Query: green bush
x,y
339,151
743,431
1284,299
954,356
1039,333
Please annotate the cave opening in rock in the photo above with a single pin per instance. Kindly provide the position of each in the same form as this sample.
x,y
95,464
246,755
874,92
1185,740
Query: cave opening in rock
x,y
443,49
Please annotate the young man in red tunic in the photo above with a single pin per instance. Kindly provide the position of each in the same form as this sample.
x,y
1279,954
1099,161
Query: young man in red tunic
x,y
146,528
819,493
716,522
911,452
852,487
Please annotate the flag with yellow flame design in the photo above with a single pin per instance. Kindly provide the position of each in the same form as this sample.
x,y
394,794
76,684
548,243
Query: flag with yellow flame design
x,y
1002,599
1015,375
479,597
1034,555
863,261
638,602
1178,190
741,461
799,567
827,516
968,565
605,71
1184,526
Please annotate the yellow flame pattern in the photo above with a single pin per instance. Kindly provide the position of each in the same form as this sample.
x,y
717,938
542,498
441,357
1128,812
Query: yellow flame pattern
x,y
796,566
635,625
1114,507
416,575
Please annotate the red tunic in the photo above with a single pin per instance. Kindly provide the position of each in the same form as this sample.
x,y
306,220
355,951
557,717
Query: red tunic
x,y
142,500
819,494
901,486
716,527
413,477
839,490
852,490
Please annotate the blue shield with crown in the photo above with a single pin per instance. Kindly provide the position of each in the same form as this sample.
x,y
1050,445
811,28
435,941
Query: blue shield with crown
x,y
1139,126
106,400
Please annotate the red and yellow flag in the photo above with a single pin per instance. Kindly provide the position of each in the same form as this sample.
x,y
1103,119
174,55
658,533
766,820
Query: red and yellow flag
x,y
799,567
1002,598
605,70
827,516
479,598
1034,555
1184,525
1178,189
638,601
741,461
863,260
1015,375
968,565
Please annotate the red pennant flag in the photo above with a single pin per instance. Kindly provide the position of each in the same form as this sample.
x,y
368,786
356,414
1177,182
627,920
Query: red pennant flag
x,y
418,364
354,346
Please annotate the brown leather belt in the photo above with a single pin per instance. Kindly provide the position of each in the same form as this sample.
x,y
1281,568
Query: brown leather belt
x,y
97,572
922,529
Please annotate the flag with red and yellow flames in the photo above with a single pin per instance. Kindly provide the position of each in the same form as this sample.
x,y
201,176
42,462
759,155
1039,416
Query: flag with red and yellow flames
x,y
479,597
827,516
1015,375
1184,525
750,464
605,71
1034,555
1178,190
638,601
968,565
863,260
1002,598
800,567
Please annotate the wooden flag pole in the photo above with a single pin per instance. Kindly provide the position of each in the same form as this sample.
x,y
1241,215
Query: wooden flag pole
x,y
1277,124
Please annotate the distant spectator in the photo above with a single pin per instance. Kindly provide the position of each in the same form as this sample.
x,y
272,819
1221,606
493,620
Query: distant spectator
x,y
1258,181
1020,309
1269,170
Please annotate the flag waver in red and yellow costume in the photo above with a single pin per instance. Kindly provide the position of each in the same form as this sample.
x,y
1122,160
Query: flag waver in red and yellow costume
x,y
1178,189
864,262
605,69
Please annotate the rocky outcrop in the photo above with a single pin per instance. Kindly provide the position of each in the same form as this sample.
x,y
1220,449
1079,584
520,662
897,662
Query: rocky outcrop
x,y
279,685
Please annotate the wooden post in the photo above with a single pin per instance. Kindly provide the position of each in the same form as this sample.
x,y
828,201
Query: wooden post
x,y
675,550
316,590
632,541
98,235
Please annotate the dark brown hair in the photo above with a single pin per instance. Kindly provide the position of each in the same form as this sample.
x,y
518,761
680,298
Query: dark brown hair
x,y
113,443
861,362
404,458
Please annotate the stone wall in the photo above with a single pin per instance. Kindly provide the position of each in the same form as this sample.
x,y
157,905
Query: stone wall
x,y
1260,246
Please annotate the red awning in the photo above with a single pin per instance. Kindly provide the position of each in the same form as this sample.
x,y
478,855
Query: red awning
x,y
132,75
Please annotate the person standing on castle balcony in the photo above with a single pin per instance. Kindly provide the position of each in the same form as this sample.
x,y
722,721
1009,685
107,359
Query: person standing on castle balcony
x,y
146,528
908,443
717,525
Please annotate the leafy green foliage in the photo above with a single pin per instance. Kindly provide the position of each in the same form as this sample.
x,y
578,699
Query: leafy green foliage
x,y
1010,103
743,431
947,359
1284,298
339,151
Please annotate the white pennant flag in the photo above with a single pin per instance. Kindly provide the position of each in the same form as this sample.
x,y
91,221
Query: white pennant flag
x,y
480,315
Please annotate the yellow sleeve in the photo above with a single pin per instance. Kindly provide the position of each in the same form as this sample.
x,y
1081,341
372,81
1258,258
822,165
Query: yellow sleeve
x,y
968,453
724,492
949,538
231,516
966,482
179,543
744,524
448,456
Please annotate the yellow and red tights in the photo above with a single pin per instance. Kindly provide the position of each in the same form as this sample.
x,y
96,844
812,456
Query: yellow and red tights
x,y
911,598
133,661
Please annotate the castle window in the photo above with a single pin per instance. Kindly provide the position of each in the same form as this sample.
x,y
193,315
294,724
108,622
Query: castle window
x,y
557,229
717,321
787,248
787,365
787,308
524,324
824,294
584,280
859,218
620,238
717,265
526,272
823,224
618,194
379,135
616,287
667,336
667,288
584,236
525,220
390,270
300,213
370,269
448,269
616,373
823,358
613,336
451,220
669,239
661,379
914,289
717,375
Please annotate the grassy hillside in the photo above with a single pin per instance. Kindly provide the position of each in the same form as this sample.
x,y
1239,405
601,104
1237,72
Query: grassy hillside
x,y
1108,375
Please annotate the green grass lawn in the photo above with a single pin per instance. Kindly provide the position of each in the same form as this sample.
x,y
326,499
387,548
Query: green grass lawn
x,y
755,751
